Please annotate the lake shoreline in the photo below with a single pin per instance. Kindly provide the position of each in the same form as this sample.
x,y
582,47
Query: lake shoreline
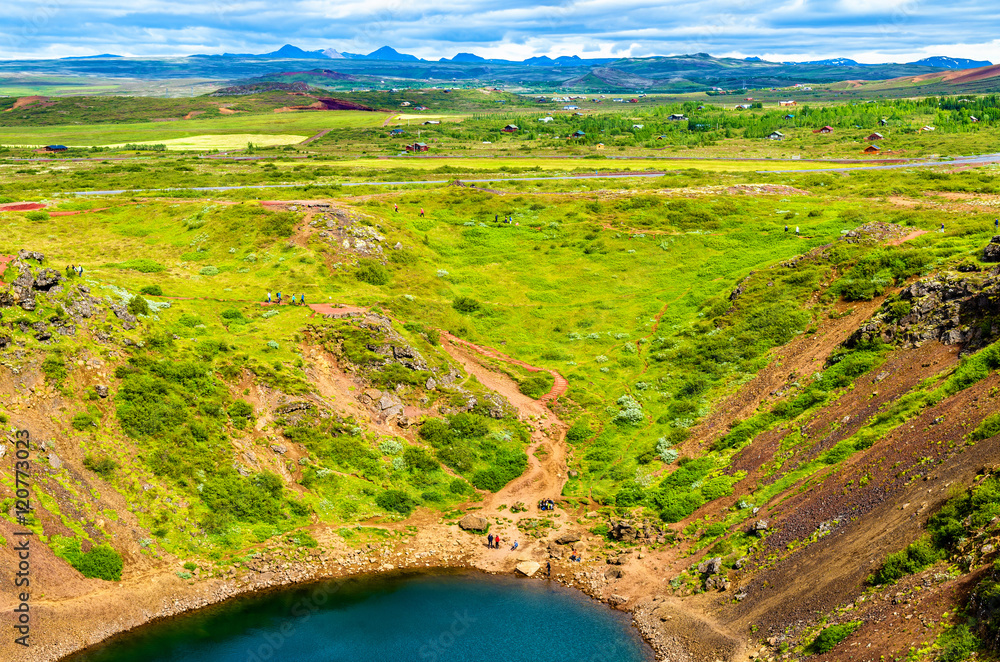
x,y
70,629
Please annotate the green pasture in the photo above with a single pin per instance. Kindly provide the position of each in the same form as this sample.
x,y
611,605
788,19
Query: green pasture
x,y
293,123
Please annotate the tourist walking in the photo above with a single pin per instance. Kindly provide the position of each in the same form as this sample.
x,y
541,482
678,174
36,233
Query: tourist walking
x,y
548,567
279,298
269,297
796,230
421,211
80,270
302,299
496,541
490,538
395,207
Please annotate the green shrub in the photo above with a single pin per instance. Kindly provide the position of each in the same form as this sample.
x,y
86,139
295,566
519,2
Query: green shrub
x,y
142,265
209,271
830,637
82,421
101,562
372,272
54,368
38,215
303,539
536,386
240,412
957,644
914,558
578,432
989,427
465,305
102,465
397,501
138,306
151,290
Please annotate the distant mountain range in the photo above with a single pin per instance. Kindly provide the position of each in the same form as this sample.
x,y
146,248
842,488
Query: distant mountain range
x,y
388,54
938,62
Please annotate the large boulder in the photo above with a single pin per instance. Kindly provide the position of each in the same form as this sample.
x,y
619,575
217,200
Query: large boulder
x,y
992,251
528,568
23,290
46,279
712,566
473,523
567,538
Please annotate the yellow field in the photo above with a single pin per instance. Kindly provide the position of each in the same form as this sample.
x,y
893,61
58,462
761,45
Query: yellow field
x,y
223,142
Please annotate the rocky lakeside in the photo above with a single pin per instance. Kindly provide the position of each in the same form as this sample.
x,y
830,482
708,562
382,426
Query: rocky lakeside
x,y
285,567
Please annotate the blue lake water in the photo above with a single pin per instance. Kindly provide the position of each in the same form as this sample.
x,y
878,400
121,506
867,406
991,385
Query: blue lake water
x,y
439,617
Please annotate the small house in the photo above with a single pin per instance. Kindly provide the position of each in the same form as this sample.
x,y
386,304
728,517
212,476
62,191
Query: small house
x,y
510,128
973,118
56,148
571,107
787,103
431,122
883,122
744,106
545,119
637,126
927,128
633,101
405,104
875,137
789,117
599,146
872,149
776,135
578,134
677,117
420,108
825,129
417,147
396,132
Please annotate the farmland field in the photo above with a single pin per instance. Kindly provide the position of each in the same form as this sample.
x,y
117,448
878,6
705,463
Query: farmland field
x,y
298,123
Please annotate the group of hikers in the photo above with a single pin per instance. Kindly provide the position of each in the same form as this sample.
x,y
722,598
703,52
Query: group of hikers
x,y
301,301
493,542
546,504
508,218
73,270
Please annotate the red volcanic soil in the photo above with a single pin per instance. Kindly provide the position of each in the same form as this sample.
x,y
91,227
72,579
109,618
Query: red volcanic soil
x,y
22,206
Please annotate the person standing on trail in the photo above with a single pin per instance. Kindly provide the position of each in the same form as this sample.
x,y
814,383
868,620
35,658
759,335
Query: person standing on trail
x,y
496,218
548,567
395,207
302,299
421,211
786,227
81,268
490,539
942,228
796,230
496,541
269,297
996,225
279,298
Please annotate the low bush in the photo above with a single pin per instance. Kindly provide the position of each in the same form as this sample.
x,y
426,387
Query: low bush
x,y
372,272
465,305
138,306
396,501
151,290
826,640
914,558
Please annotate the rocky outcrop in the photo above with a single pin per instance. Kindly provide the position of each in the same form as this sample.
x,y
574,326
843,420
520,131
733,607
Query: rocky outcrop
x,y
23,288
629,531
992,251
950,308
122,313
712,566
46,279
568,538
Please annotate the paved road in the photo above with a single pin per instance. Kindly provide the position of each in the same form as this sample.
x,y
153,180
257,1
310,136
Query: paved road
x,y
957,161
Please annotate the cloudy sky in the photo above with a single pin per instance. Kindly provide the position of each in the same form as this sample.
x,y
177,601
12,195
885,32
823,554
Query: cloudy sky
x,y
866,30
